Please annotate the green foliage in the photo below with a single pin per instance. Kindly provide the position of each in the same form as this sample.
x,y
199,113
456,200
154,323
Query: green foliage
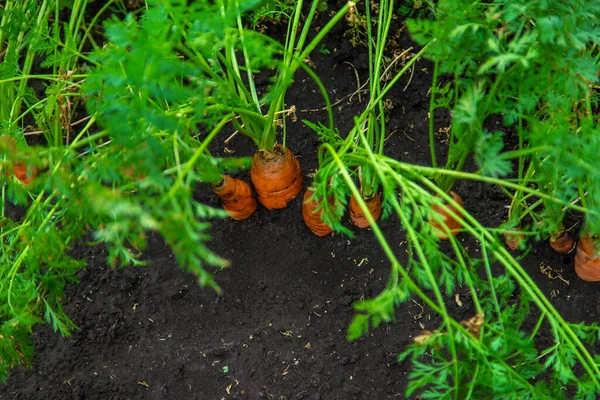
x,y
488,155
416,8
182,64
272,12
537,76
166,83
18,27
369,127
535,71
135,176
495,352
175,75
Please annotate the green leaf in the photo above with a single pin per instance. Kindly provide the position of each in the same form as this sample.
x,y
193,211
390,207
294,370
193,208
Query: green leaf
x,y
489,157
358,327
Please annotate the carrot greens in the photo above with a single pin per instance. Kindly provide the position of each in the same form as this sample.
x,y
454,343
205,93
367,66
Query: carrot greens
x,y
105,139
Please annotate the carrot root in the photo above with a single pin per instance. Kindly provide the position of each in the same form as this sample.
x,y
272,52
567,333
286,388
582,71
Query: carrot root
x,y
587,262
24,173
276,176
563,244
446,219
358,217
514,240
312,218
236,196
133,173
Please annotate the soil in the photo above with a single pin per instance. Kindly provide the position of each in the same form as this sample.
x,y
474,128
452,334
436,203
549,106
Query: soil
x,y
278,331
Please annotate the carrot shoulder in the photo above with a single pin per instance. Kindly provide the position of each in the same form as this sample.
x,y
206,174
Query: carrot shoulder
x,y
357,215
514,239
276,176
447,221
24,173
563,244
587,262
236,196
312,217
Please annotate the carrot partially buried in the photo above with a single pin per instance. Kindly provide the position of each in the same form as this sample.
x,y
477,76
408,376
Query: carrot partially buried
x,y
514,239
564,243
133,172
312,217
236,196
357,215
24,173
276,176
587,262
446,220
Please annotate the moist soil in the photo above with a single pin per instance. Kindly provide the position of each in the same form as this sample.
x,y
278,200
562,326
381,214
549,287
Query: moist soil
x,y
278,331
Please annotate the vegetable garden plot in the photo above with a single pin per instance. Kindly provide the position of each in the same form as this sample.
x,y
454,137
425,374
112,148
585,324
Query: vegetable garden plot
x,y
140,160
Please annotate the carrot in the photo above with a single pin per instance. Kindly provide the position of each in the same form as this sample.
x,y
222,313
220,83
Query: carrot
x,y
236,196
358,217
133,173
587,262
20,169
24,173
312,218
514,239
446,218
563,244
276,176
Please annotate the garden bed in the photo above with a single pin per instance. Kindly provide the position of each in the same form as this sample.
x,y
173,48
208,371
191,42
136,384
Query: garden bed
x,y
127,147
279,329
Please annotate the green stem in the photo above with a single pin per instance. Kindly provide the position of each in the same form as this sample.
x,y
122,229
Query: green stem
x,y
528,285
397,268
197,154
490,278
43,14
269,134
19,261
428,171
434,82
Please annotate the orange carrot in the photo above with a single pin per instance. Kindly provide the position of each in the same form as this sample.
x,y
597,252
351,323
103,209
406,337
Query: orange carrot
x,y
276,176
312,218
446,219
515,239
587,262
133,173
358,217
563,244
24,173
236,196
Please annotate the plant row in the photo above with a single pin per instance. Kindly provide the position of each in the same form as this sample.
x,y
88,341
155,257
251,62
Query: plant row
x,y
108,128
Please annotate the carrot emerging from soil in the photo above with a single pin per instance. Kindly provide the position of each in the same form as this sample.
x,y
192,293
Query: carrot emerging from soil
x,y
276,176
587,262
514,240
133,173
313,219
447,219
237,198
563,244
24,173
358,217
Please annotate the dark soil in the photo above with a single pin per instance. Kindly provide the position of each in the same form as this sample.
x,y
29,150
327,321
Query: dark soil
x,y
279,329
